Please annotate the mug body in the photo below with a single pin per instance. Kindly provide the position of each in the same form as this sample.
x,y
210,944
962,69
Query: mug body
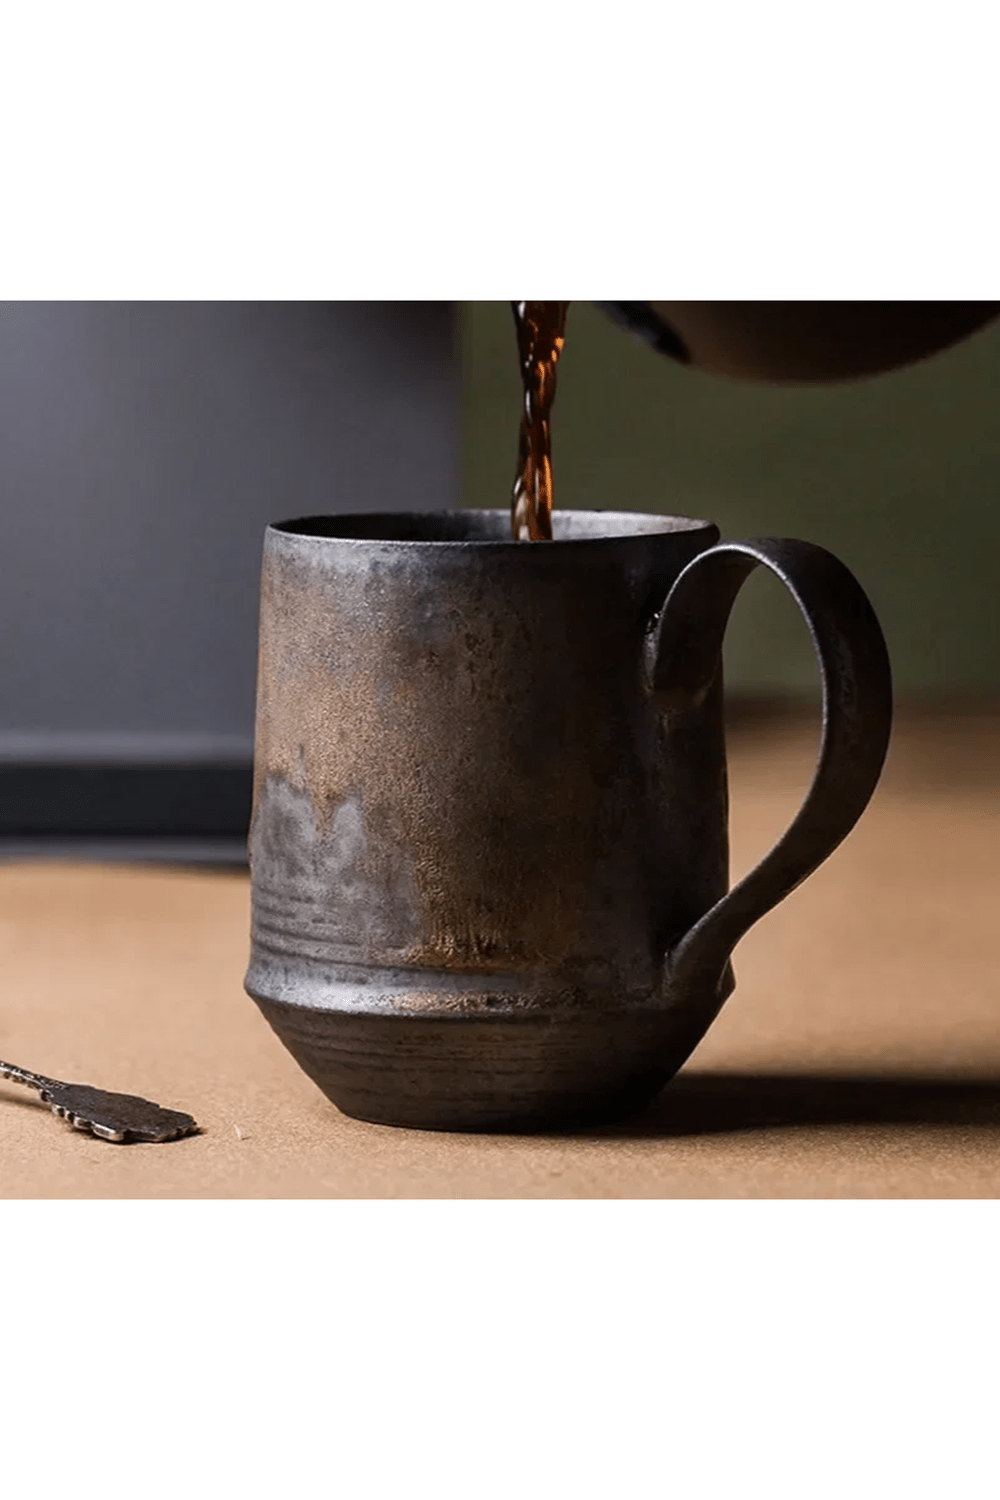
x,y
476,831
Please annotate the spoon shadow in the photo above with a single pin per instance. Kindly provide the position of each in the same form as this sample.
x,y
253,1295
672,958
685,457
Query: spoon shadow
x,y
19,1098
719,1103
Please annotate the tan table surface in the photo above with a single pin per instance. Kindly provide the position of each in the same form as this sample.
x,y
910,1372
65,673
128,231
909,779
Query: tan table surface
x,y
859,1057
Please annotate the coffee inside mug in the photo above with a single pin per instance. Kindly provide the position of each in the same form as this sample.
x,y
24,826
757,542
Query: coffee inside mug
x,y
491,526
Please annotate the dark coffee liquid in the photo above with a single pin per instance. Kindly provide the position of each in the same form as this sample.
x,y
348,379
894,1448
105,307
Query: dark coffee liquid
x,y
540,338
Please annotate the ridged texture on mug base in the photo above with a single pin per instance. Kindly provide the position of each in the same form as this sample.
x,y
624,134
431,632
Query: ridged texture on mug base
x,y
499,1073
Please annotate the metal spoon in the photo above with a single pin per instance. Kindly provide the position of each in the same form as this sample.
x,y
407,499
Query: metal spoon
x,y
112,1117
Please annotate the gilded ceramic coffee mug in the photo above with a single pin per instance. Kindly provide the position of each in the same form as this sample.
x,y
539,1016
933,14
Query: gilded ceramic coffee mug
x,y
489,847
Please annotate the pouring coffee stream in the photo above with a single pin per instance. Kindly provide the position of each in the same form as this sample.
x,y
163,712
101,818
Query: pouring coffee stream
x,y
540,338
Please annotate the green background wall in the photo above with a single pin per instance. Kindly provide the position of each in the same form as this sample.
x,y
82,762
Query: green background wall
x,y
899,475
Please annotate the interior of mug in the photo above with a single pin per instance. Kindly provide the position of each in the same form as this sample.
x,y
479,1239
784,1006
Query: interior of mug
x,y
483,526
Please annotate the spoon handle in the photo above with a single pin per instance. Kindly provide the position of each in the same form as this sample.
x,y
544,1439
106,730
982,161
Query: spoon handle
x,y
22,1075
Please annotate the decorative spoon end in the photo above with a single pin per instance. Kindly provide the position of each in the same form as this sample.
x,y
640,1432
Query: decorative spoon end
x,y
116,1117
110,1117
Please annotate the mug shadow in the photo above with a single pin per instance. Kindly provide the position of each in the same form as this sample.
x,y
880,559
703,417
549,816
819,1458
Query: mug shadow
x,y
719,1103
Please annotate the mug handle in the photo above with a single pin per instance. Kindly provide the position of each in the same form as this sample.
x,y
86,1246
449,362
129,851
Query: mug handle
x,y
857,718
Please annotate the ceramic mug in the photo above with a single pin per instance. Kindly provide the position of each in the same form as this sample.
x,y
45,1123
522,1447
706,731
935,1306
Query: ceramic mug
x,y
489,845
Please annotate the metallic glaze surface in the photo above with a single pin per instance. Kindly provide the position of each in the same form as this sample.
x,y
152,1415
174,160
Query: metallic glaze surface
x,y
488,849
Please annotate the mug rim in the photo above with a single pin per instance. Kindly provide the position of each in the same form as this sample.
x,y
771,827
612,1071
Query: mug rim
x,y
364,528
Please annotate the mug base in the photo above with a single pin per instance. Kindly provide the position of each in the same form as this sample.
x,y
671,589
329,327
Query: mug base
x,y
507,1074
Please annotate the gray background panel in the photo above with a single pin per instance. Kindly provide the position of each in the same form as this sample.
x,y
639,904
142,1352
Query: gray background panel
x,y
143,448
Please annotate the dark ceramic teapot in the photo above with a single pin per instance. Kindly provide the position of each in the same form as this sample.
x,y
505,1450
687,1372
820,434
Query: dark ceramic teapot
x,y
801,342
